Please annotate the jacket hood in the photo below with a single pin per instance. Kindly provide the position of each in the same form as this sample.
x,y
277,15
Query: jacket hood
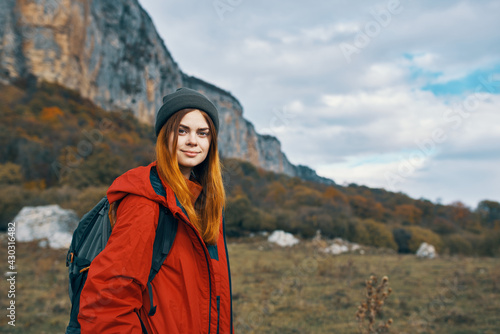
x,y
137,182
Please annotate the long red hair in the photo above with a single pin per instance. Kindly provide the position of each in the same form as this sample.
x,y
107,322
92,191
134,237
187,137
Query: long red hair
x,y
205,214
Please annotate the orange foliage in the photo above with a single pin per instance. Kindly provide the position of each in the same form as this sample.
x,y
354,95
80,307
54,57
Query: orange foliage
x,y
462,215
127,138
334,194
35,184
51,114
408,213
366,207
459,211
276,193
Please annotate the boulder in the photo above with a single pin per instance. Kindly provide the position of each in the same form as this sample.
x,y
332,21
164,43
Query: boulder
x,y
51,224
282,238
340,246
426,251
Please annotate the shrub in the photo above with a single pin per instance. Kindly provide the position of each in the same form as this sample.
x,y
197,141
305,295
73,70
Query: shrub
x,y
87,199
402,238
372,233
12,200
10,173
419,235
457,244
240,216
490,245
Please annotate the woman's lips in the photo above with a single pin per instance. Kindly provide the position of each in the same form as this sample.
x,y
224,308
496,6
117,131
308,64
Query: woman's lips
x,y
190,153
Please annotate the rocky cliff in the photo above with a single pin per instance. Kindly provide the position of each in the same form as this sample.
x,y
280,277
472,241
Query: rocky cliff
x,y
110,52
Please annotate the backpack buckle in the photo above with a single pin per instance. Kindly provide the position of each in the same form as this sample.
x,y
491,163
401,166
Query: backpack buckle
x,y
69,258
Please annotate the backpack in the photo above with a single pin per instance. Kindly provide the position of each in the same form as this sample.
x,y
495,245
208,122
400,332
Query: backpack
x,y
90,238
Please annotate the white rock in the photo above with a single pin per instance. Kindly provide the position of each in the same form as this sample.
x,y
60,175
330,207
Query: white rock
x,y
336,249
283,238
426,251
340,246
355,247
49,222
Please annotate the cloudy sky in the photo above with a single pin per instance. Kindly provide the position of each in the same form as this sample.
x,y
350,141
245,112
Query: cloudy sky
x,y
402,95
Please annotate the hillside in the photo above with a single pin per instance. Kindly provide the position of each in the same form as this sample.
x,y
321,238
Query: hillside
x,y
58,147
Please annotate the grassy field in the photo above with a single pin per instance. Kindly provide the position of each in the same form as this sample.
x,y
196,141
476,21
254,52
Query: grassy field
x,y
297,290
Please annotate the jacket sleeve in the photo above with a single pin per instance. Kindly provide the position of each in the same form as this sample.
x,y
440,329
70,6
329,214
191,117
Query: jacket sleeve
x,y
117,277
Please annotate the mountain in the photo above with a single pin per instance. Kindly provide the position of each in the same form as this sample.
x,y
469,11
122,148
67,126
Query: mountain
x,y
110,52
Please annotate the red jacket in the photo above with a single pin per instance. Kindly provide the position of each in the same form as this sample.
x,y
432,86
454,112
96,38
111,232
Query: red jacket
x,y
192,290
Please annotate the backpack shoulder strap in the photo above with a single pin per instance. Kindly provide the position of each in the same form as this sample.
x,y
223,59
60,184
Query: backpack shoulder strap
x,y
164,239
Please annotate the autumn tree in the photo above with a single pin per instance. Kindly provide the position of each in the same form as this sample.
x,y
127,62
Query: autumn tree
x,y
366,207
10,173
275,193
463,216
408,214
489,211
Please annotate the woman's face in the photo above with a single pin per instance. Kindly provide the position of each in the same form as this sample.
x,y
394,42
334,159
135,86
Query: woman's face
x,y
193,141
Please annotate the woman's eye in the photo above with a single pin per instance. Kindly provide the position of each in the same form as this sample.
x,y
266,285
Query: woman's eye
x,y
182,131
203,134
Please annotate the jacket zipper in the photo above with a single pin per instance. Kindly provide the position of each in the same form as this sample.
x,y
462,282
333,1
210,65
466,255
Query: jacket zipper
x,y
218,313
229,274
209,276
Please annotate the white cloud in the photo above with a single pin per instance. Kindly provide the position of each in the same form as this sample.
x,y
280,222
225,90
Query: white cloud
x,y
353,121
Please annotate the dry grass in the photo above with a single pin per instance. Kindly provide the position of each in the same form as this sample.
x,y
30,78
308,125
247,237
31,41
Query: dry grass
x,y
299,290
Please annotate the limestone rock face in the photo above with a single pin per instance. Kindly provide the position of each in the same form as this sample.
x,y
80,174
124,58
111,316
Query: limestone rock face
x,y
110,52
49,223
238,138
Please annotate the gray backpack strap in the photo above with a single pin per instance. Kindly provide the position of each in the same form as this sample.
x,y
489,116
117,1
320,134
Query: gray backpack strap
x,y
164,239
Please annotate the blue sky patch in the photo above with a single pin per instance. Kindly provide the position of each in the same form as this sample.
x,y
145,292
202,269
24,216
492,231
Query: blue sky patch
x,y
486,81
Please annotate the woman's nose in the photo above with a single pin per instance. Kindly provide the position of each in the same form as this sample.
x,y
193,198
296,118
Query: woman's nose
x,y
191,139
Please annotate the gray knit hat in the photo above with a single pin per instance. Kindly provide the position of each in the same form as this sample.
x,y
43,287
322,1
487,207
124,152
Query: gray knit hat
x,y
184,98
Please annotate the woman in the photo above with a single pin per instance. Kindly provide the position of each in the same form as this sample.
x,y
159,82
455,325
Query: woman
x,y
192,290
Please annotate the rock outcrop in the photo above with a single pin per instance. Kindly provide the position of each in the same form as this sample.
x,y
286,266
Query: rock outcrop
x,y
340,246
426,251
51,224
107,50
282,238
110,52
